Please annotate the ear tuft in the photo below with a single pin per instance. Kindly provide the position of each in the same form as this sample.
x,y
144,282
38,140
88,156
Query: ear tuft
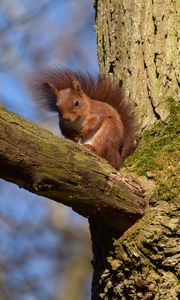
x,y
77,86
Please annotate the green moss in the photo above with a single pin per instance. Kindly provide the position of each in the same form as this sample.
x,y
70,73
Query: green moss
x,y
157,154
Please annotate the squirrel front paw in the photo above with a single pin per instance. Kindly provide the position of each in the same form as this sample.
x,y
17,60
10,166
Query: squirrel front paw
x,y
84,133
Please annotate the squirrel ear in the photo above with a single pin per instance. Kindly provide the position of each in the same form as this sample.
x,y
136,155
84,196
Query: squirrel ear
x,y
77,87
53,89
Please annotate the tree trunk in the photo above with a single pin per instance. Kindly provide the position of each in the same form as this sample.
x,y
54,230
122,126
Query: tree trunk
x,y
139,45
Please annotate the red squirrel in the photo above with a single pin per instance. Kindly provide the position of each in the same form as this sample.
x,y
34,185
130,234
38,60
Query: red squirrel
x,y
92,111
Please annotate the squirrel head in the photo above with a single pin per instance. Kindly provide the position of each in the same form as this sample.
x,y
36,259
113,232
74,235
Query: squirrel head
x,y
72,103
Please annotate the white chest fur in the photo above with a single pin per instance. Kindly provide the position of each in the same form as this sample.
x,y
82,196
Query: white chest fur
x,y
91,137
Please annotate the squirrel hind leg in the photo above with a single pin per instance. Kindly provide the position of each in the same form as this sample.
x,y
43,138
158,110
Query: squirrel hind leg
x,y
111,160
113,157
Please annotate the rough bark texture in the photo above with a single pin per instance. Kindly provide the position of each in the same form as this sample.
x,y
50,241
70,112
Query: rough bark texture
x,y
145,260
138,43
63,171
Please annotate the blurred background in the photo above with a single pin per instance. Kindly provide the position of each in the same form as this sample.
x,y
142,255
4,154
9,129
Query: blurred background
x,y
45,248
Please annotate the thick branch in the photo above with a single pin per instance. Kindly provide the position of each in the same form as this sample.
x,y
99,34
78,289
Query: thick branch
x,y
63,171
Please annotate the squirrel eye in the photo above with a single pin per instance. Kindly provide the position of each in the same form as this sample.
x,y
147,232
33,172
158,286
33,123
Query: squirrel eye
x,y
76,102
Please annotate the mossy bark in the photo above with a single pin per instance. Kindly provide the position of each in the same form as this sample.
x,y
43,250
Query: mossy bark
x,y
138,44
144,262
66,172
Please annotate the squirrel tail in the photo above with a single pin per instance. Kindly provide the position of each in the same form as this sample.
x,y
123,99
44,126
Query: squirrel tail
x,y
112,94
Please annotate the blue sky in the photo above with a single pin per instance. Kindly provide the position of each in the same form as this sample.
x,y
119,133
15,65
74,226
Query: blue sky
x,y
65,28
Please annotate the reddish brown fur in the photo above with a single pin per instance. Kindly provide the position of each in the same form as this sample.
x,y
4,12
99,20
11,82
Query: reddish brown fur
x,y
115,128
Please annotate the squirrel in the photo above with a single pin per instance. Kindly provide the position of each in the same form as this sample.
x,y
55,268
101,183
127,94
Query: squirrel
x,y
92,111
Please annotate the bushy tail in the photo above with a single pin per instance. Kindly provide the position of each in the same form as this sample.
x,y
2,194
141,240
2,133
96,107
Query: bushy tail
x,y
107,91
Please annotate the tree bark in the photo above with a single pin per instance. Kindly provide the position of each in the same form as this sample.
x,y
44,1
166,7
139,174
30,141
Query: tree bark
x,y
144,262
139,45
63,171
